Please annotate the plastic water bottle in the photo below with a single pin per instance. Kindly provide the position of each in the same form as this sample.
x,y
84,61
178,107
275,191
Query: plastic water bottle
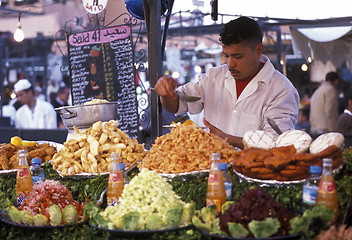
x,y
310,187
227,181
37,171
124,174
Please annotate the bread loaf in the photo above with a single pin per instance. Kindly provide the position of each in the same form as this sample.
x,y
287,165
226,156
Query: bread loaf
x,y
259,139
298,138
326,140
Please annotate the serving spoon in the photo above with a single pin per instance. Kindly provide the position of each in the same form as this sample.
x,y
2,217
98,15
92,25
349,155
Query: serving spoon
x,y
185,98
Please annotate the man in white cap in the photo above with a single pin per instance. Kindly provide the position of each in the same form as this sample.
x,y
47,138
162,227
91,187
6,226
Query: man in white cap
x,y
34,113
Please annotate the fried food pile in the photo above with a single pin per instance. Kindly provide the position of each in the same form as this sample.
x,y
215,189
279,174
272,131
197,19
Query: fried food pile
x,y
186,149
9,154
282,163
89,151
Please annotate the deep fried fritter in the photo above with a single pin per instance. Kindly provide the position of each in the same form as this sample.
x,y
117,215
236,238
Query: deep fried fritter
x,y
283,151
277,162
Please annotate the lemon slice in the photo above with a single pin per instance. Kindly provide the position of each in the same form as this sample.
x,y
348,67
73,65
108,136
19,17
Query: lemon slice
x,y
28,143
17,141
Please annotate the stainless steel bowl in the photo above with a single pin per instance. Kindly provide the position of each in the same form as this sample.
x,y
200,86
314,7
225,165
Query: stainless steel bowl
x,y
83,116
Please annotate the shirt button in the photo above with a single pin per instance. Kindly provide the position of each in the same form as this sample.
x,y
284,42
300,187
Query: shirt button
x,y
234,111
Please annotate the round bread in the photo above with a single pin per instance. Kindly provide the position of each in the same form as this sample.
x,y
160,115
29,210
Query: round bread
x,y
326,140
298,138
259,139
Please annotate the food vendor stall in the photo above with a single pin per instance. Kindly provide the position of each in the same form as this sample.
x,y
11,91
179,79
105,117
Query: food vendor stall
x,y
179,158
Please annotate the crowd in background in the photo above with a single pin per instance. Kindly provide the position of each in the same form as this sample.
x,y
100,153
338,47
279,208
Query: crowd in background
x,y
329,109
54,95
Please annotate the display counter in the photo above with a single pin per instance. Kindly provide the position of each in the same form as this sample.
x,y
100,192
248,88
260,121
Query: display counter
x,y
190,188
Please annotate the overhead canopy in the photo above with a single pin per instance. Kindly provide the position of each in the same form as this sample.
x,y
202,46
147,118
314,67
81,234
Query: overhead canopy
x,y
328,46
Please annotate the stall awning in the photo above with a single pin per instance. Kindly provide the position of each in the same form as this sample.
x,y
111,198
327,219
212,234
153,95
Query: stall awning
x,y
325,45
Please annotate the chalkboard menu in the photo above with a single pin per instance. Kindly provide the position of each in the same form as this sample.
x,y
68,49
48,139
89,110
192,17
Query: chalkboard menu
x,y
101,67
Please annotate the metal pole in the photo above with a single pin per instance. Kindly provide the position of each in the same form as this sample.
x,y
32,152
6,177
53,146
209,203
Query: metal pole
x,y
2,69
152,14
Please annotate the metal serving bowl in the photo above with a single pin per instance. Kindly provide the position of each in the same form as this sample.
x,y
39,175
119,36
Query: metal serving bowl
x,y
83,116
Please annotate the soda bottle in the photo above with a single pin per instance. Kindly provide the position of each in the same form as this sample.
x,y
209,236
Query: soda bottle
x,y
37,171
327,189
310,187
227,180
23,179
126,179
116,182
216,194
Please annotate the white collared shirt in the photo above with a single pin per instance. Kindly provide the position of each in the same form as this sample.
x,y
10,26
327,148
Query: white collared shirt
x,y
268,94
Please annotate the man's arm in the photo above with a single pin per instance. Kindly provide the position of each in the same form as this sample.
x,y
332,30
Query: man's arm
x,y
233,140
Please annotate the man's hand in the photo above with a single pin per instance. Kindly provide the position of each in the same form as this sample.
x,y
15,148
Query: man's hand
x,y
233,140
165,87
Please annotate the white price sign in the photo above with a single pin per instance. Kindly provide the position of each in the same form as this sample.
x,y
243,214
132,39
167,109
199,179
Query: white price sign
x,y
94,6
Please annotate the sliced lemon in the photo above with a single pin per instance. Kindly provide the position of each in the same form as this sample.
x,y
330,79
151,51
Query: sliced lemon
x,y
17,141
28,143
188,122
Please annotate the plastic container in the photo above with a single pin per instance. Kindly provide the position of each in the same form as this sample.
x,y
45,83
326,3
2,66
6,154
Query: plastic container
x,y
126,179
24,182
216,194
310,187
227,181
37,171
327,189
116,181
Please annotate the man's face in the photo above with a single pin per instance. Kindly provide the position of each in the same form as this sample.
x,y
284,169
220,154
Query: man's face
x,y
243,59
24,96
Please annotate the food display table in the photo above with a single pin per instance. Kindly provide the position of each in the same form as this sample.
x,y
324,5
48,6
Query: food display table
x,y
190,188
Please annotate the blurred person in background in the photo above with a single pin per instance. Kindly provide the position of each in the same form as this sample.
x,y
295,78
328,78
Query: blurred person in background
x,y
34,113
240,95
303,119
61,100
344,122
324,105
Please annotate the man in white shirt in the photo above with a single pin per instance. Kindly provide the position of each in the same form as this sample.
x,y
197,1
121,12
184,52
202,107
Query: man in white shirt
x,y
241,95
34,113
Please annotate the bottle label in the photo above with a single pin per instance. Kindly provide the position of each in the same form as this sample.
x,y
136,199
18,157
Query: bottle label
x,y
112,201
216,202
38,178
21,196
327,187
228,190
310,194
213,179
23,172
116,177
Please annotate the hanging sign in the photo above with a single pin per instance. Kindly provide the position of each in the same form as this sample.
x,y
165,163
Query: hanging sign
x,y
94,6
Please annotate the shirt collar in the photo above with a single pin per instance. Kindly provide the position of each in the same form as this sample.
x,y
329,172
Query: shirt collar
x,y
348,112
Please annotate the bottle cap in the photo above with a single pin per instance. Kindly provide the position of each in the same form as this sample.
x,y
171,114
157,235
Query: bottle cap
x,y
223,166
315,169
36,160
122,166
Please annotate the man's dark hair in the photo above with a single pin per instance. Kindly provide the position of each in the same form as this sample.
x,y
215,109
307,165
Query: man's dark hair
x,y
305,112
62,89
347,96
331,76
242,29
